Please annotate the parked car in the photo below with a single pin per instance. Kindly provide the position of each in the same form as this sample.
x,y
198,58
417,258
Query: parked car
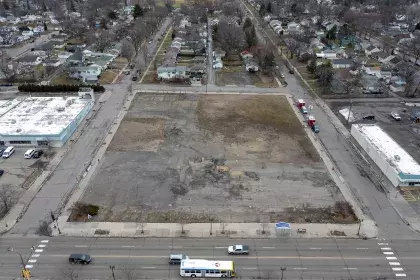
x,y
79,258
396,116
1,172
369,117
282,76
238,250
134,78
38,153
315,128
291,71
127,72
8,152
177,258
29,153
1,151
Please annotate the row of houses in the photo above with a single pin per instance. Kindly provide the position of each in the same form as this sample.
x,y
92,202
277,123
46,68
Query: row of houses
x,y
190,43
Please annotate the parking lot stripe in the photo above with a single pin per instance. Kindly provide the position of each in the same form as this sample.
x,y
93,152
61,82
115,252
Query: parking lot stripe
x,y
394,263
388,253
39,250
400,274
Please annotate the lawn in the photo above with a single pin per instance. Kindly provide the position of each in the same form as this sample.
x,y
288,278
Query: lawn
x,y
63,79
108,76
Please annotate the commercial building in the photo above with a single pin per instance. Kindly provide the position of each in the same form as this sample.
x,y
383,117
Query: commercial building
x,y
395,163
41,121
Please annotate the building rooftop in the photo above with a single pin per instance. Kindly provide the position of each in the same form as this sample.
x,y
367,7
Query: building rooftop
x,y
39,115
391,150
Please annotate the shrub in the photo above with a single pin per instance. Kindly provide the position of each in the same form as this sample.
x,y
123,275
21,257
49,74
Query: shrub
x,y
83,209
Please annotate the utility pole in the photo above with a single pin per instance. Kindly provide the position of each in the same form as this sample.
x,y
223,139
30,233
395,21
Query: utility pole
x,y
112,267
26,274
351,107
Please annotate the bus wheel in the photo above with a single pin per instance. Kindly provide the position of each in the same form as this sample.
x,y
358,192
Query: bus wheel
x,y
192,275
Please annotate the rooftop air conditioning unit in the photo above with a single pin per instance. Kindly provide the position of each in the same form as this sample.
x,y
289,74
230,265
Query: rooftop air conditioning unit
x,y
60,109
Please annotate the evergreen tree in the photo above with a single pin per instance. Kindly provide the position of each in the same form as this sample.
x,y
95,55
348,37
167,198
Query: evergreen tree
x,y
137,11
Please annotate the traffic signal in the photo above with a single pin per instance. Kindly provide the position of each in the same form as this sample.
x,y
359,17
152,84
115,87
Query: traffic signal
x,y
26,273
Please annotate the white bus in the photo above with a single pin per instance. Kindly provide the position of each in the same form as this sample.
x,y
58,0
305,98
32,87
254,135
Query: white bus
x,y
205,268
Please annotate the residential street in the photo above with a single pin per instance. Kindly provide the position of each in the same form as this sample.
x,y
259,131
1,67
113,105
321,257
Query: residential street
x,y
373,200
18,51
148,257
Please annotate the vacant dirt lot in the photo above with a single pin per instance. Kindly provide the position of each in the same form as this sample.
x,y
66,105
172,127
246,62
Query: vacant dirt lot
x,y
192,158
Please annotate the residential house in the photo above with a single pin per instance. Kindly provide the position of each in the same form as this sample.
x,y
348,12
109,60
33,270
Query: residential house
x,y
200,59
58,44
371,84
76,58
246,55
274,23
115,49
172,72
341,63
371,49
59,37
12,19
394,61
373,71
293,27
52,62
27,33
63,56
382,57
29,60
84,72
401,37
397,84
197,71
348,40
329,54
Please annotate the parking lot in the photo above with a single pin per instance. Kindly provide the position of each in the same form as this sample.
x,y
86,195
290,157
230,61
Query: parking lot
x,y
19,173
194,158
405,132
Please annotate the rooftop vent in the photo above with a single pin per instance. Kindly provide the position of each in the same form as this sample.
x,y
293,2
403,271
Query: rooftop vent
x,y
13,121
18,130
60,109
50,122
397,158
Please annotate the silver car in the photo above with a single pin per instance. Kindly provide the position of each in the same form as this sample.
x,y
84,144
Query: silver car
x,y
396,116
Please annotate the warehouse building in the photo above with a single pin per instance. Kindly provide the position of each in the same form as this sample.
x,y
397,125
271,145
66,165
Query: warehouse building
x,y
395,163
41,121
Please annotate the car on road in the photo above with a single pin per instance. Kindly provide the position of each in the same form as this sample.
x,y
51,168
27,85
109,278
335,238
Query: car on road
x,y
369,117
177,258
80,258
38,153
150,41
238,250
1,172
396,116
291,71
282,76
134,78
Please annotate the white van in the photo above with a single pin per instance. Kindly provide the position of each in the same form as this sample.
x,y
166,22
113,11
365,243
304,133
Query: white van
x,y
29,153
8,152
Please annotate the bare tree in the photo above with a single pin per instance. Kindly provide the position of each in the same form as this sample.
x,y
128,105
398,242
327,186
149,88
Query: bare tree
x,y
127,51
324,74
70,274
412,47
292,44
8,70
137,35
352,83
230,37
412,78
103,41
6,198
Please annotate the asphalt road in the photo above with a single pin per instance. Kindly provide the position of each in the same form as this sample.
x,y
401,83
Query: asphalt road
x,y
18,51
372,198
148,257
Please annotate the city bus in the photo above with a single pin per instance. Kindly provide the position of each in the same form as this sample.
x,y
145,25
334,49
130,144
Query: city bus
x,y
204,268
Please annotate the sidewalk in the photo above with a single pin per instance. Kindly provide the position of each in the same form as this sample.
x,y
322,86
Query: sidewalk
x,y
202,230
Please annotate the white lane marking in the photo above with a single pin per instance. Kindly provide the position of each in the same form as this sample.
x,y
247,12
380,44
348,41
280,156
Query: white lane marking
x,y
32,261
29,266
148,267
315,248
128,246
362,248
383,244
220,247
39,250
175,246
388,253
249,268
80,246
400,274
35,255
42,246
354,268
397,269
44,241
394,263
298,268
269,247
386,248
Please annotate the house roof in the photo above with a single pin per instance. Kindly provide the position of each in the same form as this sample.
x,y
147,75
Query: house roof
x,y
395,60
342,61
381,55
28,58
371,48
76,56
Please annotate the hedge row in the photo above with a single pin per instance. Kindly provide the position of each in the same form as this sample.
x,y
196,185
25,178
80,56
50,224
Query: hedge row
x,y
57,88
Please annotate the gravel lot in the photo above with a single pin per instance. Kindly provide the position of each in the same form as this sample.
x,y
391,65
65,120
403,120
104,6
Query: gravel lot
x,y
192,158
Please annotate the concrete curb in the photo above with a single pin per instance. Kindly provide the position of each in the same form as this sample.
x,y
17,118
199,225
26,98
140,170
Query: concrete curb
x,y
203,230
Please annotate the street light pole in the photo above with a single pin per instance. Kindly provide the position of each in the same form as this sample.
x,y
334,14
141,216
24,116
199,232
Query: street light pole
x,y
25,272
112,267
21,258
282,271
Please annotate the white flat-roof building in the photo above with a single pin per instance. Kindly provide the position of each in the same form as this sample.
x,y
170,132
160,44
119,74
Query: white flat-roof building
x,y
41,121
399,167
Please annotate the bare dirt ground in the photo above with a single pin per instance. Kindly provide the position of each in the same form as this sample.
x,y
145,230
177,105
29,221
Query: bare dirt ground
x,y
227,158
